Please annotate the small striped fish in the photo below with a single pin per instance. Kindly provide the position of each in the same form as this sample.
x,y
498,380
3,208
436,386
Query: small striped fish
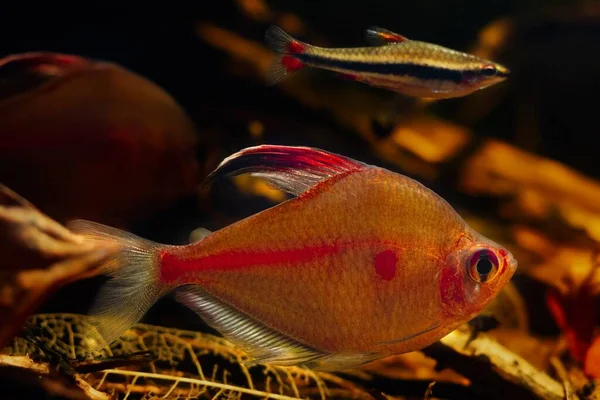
x,y
396,63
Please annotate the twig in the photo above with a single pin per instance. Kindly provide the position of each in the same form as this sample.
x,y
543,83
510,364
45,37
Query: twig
x,y
429,391
492,368
562,374
100,364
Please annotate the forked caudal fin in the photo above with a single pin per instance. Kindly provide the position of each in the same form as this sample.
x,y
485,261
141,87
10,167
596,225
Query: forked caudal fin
x,y
285,63
134,286
293,169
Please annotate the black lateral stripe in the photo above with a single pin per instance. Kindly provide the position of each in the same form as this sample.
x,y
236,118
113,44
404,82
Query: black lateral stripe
x,y
424,72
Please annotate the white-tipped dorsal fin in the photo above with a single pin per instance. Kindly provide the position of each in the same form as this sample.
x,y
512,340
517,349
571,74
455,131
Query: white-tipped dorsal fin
x,y
263,344
288,168
379,36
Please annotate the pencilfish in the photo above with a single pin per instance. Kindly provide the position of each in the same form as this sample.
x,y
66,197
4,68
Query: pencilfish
x,y
359,264
396,63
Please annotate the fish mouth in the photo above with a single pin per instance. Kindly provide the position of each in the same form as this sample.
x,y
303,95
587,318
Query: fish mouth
x,y
502,72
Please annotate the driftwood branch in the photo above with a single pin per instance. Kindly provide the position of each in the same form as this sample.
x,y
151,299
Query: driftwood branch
x,y
492,368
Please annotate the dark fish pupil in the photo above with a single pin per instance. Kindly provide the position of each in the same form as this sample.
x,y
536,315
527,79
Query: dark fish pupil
x,y
484,266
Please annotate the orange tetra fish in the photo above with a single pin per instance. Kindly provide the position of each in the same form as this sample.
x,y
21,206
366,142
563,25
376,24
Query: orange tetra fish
x,y
361,264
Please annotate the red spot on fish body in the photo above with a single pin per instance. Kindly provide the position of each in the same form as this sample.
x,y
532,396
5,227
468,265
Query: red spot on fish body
x,y
291,63
385,264
296,47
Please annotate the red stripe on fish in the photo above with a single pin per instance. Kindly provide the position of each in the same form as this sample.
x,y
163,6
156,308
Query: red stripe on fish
x,y
173,268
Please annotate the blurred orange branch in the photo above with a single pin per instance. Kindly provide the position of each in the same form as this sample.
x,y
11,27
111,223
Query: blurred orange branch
x,y
38,256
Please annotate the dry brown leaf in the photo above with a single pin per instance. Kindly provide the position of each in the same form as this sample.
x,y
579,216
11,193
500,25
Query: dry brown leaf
x,y
536,350
562,266
500,169
38,256
490,365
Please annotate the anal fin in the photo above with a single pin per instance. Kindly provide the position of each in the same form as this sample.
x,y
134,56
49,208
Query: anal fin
x,y
263,344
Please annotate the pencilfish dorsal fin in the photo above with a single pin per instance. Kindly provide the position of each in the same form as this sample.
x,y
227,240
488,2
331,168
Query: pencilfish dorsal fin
x,y
291,169
379,36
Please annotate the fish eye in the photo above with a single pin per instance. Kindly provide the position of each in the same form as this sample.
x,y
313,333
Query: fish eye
x,y
488,70
483,265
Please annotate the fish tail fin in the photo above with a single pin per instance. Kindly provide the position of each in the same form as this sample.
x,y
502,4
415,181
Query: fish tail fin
x,y
282,67
282,42
287,61
134,285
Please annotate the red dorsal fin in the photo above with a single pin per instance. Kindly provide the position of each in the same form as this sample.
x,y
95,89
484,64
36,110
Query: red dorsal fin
x,y
289,168
379,36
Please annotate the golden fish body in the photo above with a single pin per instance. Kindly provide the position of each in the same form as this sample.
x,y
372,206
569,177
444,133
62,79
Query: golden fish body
x,y
362,264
